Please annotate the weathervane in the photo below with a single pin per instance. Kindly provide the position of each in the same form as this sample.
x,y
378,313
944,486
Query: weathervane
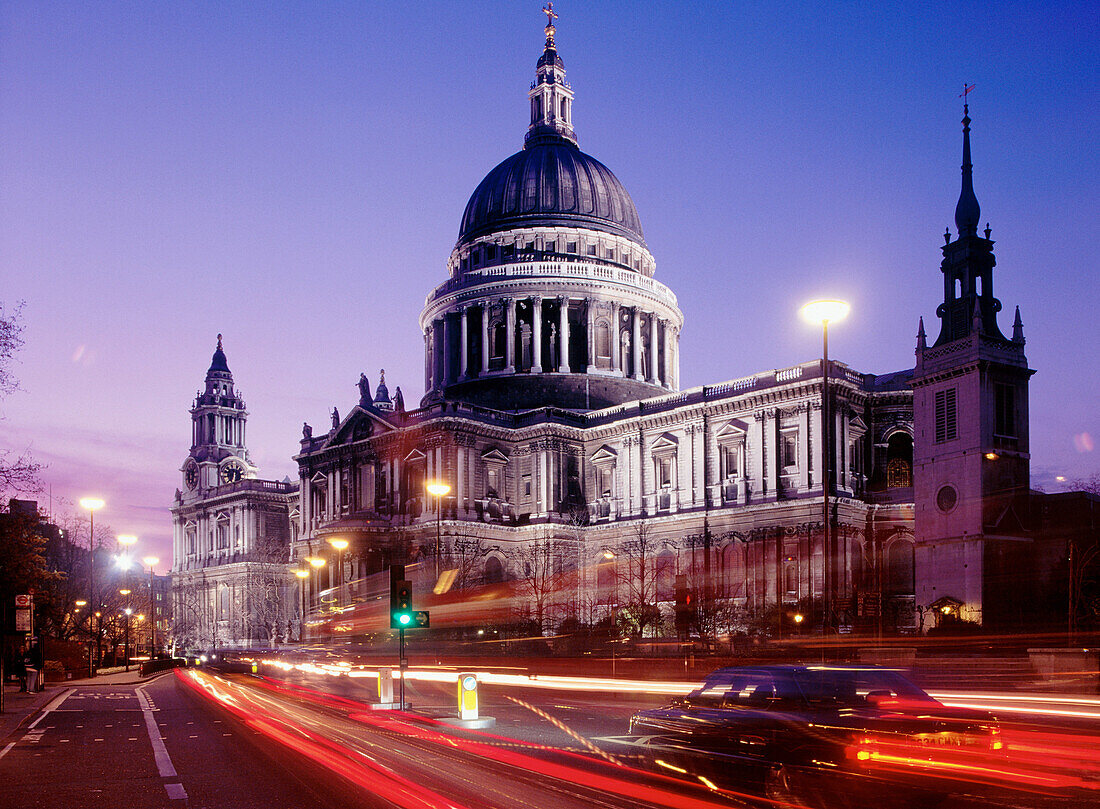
x,y
967,88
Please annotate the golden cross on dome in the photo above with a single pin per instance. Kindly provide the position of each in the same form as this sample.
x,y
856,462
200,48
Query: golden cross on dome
x,y
548,10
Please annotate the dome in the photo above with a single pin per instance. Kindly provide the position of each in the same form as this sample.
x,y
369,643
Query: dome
x,y
551,183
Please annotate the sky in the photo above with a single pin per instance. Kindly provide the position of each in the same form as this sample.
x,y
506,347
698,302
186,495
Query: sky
x,y
292,175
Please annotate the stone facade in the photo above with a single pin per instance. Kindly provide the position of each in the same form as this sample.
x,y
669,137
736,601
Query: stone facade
x,y
231,586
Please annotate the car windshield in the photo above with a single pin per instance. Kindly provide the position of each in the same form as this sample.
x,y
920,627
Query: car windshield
x,y
752,689
855,687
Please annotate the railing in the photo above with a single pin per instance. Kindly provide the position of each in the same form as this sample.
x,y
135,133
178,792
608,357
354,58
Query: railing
x,y
587,267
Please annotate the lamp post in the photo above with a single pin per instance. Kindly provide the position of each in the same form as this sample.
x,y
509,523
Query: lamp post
x,y
824,312
128,611
92,504
316,562
302,576
340,545
440,490
151,561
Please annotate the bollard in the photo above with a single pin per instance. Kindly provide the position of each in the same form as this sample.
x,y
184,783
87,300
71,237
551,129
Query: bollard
x,y
467,696
385,686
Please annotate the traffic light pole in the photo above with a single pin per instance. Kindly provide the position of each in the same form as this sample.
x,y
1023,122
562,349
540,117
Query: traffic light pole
x,y
402,664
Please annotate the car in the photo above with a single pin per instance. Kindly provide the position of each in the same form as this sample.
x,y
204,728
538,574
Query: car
x,y
818,735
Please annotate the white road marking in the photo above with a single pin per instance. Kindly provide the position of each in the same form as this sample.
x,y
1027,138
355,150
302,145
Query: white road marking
x,y
51,707
160,752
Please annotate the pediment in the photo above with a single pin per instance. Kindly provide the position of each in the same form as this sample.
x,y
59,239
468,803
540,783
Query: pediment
x,y
359,425
605,455
494,455
732,430
857,425
666,442
414,457
319,479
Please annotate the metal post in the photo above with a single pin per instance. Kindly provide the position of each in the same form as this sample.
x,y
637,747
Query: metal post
x,y
402,663
826,555
152,617
91,587
438,523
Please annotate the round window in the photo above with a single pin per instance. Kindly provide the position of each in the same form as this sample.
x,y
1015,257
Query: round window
x,y
946,498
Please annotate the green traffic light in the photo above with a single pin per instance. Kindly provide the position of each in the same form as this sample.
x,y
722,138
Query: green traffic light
x,y
405,618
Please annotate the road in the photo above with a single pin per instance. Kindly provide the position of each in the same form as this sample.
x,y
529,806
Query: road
x,y
293,739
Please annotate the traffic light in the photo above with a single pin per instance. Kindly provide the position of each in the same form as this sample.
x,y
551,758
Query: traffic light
x,y
401,611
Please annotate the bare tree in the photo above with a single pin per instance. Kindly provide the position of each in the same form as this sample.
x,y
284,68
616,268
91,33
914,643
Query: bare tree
x,y
541,579
466,555
263,600
636,568
18,470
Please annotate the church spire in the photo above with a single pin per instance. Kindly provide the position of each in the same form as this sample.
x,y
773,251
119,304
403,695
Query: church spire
x,y
967,211
551,96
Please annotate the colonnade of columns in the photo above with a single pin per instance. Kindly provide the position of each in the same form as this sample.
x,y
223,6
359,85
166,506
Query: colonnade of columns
x,y
638,345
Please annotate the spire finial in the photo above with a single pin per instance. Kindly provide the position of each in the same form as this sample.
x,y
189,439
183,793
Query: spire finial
x,y
967,211
922,342
382,377
219,342
548,10
1018,329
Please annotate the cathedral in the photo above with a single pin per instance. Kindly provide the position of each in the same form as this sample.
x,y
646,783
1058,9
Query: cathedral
x,y
554,444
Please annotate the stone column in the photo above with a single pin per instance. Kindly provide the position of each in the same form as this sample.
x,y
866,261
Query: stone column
x,y
636,327
590,327
667,366
448,332
463,342
654,354
485,338
536,335
676,359
563,334
509,335
460,477
616,349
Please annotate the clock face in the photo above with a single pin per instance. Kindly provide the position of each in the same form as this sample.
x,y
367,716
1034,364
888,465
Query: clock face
x,y
232,472
191,477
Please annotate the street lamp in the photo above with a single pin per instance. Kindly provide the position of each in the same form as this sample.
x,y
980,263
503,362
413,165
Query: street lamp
x,y
316,562
92,504
341,545
302,576
440,490
128,612
151,561
824,312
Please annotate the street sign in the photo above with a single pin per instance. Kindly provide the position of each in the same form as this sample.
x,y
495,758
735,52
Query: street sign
x,y
22,620
22,601
420,619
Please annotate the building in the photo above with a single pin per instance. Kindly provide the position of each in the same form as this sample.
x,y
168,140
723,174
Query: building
x,y
576,469
231,582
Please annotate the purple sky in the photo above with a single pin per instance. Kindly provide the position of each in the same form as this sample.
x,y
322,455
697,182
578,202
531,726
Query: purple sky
x,y
293,174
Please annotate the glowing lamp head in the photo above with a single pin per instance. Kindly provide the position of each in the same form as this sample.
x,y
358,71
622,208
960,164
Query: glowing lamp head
x,y
339,544
80,603
608,554
91,503
126,539
316,561
151,560
128,611
991,456
798,618
823,312
124,593
438,489
301,574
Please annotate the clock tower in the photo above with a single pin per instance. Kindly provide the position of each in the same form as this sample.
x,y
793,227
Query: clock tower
x,y
971,462
218,454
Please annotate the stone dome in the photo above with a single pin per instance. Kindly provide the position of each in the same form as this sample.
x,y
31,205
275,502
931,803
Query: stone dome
x,y
551,183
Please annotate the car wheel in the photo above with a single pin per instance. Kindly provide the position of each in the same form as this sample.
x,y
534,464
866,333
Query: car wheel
x,y
779,786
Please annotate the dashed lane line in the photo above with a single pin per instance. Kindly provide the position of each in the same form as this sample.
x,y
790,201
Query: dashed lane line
x,y
165,767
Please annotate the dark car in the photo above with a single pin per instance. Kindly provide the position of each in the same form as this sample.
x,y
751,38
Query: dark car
x,y
830,735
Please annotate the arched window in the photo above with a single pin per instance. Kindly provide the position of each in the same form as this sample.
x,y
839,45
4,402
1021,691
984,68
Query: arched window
x,y
494,571
666,576
899,568
733,568
605,582
899,461
603,340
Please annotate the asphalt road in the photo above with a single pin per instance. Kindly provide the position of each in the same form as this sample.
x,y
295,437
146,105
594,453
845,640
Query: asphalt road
x,y
202,740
